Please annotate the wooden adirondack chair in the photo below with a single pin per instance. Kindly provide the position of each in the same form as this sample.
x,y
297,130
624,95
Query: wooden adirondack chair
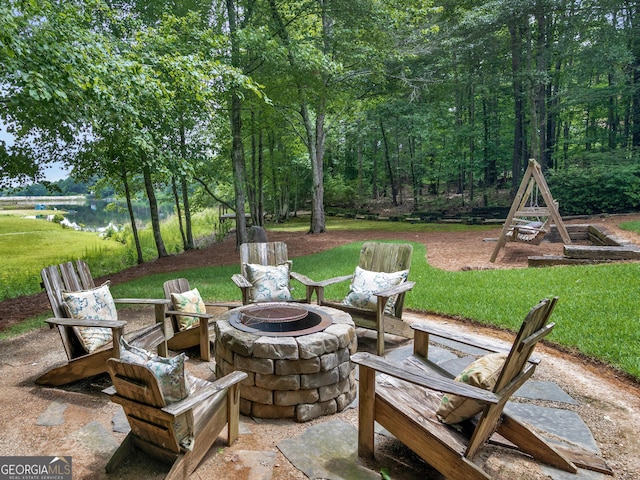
x,y
377,257
267,254
405,399
74,277
154,428
201,335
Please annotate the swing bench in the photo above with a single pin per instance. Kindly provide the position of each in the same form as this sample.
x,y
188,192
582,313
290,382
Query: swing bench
x,y
531,222
529,232
527,221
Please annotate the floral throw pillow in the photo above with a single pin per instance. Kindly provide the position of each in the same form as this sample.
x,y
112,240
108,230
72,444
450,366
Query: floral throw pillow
x,y
188,302
482,373
365,283
169,372
270,283
94,304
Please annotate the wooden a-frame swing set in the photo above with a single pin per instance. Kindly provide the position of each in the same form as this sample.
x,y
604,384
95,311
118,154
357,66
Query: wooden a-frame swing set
x,y
528,221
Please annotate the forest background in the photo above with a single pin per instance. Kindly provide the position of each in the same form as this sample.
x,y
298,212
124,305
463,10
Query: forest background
x,y
272,106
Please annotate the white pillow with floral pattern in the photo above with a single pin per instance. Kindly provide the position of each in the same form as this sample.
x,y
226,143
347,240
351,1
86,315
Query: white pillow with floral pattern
x,y
270,283
94,304
365,283
169,372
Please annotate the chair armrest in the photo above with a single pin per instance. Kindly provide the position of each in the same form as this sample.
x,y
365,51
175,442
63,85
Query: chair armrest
x,y
487,344
227,305
77,322
423,379
303,279
143,301
201,395
331,281
395,290
189,314
240,281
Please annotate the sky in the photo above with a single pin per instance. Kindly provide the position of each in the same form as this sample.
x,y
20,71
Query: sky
x,y
52,173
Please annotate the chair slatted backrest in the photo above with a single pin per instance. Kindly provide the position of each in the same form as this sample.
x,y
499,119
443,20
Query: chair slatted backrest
x,y
139,394
263,253
533,329
387,258
516,370
177,285
66,277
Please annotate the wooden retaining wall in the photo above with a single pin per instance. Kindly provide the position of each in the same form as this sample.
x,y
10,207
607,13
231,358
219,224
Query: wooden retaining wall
x,y
606,248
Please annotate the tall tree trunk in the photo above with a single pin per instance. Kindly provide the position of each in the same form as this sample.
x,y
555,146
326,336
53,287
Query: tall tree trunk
x,y
489,162
153,208
132,218
237,148
415,180
189,243
374,173
515,31
539,104
314,130
187,212
315,146
260,187
387,161
176,200
252,179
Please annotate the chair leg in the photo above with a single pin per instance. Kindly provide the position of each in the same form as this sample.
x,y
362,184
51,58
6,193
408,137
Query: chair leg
x,y
366,394
233,414
382,302
179,470
76,369
529,442
122,452
205,349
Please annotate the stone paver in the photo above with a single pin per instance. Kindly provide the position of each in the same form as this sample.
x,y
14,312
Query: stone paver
x,y
53,415
327,450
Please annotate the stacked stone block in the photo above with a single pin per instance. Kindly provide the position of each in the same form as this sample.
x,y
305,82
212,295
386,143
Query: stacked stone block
x,y
301,377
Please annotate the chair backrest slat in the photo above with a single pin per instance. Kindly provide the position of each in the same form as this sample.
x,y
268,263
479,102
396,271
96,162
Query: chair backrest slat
x,y
177,285
53,285
136,383
143,403
86,279
70,277
533,326
263,253
385,257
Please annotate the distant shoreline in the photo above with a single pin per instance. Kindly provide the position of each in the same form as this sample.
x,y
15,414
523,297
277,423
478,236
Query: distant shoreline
x,y
47,200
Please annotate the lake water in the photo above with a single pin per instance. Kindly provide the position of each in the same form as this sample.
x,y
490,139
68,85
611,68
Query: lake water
x,y
95,214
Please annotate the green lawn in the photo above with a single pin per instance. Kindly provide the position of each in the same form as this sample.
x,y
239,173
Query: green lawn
x,y
27,245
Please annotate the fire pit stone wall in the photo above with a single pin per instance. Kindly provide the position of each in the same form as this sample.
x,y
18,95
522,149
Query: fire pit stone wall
x,y
301,377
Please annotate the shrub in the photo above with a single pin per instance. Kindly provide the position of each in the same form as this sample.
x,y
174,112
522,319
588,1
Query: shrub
x,y
605,188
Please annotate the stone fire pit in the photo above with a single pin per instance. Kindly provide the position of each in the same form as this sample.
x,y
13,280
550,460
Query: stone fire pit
x,y
296,375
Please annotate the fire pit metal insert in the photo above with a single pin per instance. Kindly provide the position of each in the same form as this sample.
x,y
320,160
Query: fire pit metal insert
x,y
280,319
